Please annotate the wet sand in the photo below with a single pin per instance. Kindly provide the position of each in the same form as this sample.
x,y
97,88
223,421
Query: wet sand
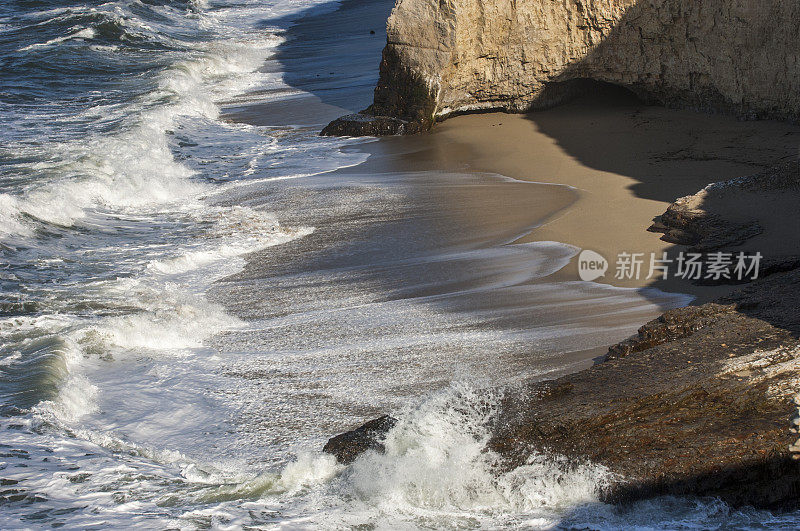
x,y
411,279
627,161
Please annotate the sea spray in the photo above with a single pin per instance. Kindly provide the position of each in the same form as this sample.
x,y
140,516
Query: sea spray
x,y
436,471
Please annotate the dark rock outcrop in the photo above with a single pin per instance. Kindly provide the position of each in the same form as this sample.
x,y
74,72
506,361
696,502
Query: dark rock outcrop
x,y
701,231
364,124
369,436
705,413
674,324
404,104
404,93
717,216
750,214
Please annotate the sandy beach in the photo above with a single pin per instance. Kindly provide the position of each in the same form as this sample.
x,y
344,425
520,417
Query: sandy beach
x,y
626,160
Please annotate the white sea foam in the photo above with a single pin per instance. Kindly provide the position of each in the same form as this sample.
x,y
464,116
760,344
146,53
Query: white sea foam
x,y
174,315
76,395
437,459
10,220
435,472
135,168
234,231
85,33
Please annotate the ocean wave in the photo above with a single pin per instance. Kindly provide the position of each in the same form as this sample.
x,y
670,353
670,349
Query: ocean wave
x,y
435,472
161,311
113,228
436,460
80,27
134,167
85,34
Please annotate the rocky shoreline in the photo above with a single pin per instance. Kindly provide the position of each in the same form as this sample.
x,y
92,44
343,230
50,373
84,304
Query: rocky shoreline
x,y
703,400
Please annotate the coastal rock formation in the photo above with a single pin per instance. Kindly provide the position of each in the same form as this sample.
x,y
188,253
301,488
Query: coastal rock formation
x,y
707,415
727,214
444,57
367,125
674,324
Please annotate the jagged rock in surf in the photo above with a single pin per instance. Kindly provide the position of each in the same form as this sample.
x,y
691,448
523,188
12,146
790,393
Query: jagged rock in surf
x,y
369,436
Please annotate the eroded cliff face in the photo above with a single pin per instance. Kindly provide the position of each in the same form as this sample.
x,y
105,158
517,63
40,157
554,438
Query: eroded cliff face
x,y
448,56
